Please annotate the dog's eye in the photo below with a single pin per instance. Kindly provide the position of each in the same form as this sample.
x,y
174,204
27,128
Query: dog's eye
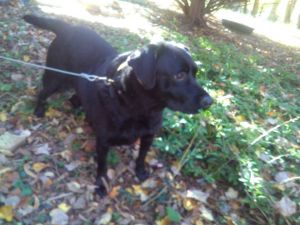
x,y
180,76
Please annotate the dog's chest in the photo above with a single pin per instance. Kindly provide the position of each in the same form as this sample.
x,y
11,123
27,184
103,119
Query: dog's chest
x,y
128,130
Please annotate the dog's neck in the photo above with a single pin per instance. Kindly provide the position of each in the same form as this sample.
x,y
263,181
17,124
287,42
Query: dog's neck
x,y
129,91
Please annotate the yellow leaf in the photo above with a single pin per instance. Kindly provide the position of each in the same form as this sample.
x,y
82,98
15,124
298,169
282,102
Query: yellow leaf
x,y
53,113
164,221
3,116
199,222
189,204
64,207
6,213
38,167
239,118
26,58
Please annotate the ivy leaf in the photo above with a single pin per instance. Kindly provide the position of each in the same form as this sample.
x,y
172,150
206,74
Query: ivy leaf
x,y
173,215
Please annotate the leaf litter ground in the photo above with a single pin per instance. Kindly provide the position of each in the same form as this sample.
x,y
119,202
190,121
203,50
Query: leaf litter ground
x,y
49,179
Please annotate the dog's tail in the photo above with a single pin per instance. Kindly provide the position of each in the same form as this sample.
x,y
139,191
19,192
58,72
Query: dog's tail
x,y
54,25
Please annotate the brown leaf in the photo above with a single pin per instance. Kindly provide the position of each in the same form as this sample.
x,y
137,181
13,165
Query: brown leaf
x,y
89,145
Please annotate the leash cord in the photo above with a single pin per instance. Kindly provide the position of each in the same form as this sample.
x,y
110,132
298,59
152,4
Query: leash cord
x,y
86,76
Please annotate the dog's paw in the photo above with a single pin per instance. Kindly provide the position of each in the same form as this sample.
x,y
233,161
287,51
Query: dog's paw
x,y
100,188
142,174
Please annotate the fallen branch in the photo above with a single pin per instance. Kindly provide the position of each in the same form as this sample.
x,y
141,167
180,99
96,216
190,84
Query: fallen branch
x,y
273,129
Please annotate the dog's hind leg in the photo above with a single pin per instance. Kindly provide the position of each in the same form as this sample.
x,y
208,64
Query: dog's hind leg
x,y
50,85
75,101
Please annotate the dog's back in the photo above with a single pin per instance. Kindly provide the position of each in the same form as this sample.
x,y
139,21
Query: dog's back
x,y
75,48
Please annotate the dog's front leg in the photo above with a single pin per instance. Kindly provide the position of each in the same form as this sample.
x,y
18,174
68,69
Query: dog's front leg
x,y
140,169
102,150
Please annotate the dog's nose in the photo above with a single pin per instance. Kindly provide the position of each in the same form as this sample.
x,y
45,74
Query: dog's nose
x,y
206,101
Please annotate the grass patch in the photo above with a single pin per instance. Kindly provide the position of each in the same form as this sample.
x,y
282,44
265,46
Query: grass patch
x,y
251,98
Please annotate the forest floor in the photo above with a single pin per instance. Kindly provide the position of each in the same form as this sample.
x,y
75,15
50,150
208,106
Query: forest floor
x,y
49,178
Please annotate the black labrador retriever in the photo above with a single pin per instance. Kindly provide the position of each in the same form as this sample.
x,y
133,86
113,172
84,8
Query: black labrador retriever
x,y
143,83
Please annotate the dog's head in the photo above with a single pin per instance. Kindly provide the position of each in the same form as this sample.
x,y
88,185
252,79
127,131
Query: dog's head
x,y
169,69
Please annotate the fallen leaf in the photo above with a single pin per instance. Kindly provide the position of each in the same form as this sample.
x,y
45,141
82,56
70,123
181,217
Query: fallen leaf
x,y
5,170
26,58
3,160
239,118
206,213
189,204
111,174
176,166
6,213
79,130
149,183
43,149
3,116
80,203
197,195
12,201
73,165
39,166
26,210
231,193
10,141
199,222
164,221
283,178
114,192
28,171
67,155
69,139
286,206
64,207
17,77
105,218
51,113
58,216
265,157
74,187
137,190
272,121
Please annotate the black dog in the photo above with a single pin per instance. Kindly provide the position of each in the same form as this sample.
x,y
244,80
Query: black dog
x,y
145,82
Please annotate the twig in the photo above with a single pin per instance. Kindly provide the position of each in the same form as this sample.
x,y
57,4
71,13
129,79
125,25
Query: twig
x,y
59,197
155,196
290,179
187,150
273,129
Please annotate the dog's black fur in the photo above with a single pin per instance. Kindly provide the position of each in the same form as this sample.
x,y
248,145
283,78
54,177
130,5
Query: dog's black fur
x,y
145,82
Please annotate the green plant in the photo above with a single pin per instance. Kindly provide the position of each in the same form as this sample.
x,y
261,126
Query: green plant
x,y
251,99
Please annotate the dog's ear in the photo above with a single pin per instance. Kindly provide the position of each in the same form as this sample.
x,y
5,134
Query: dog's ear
x,y
143,63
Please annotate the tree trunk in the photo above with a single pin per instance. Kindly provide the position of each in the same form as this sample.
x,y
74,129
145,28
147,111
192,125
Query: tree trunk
x,y
289,10
245,8
255,8
298,24
196,13
273,14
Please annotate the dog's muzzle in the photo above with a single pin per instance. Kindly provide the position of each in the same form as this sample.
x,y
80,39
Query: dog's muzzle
x,y
205,102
